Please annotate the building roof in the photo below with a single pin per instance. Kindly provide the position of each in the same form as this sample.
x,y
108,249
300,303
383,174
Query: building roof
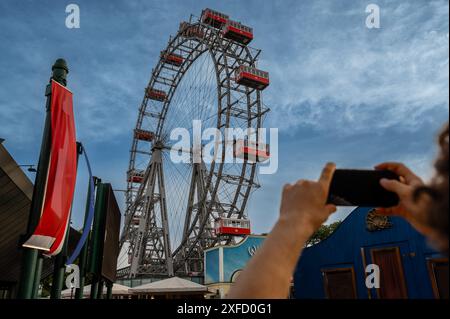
x,y
116,290
171,285
16,191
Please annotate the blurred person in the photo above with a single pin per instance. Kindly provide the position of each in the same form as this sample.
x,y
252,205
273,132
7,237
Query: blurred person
x,y
424,206
304,209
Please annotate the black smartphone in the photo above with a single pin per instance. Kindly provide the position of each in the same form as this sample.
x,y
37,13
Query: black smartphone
x,y
361,188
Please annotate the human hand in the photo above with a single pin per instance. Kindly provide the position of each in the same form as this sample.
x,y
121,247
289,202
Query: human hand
x,y
304,205
408,207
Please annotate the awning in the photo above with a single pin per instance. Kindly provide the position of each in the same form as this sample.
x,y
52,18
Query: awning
x,y
171,285
116,290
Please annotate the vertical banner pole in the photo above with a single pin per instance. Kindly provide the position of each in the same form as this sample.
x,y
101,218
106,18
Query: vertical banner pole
x,y
109,286
30,256
60,259
94,287
79,292
96,242
37,278
100,289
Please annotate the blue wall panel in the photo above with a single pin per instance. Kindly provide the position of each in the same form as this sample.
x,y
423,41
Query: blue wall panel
x,y
343,248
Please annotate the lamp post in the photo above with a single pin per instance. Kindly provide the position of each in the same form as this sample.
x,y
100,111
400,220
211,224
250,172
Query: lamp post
x,y
60,259
31,168
30,256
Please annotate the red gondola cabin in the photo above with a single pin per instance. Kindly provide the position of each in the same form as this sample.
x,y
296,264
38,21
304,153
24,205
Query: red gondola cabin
x,y
251,151
191,31
214,18
252,77
145,136
156,95
172,58
238,32
136,177
232,226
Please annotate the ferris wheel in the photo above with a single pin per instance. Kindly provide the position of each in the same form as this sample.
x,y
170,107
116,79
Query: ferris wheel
x,y
175,211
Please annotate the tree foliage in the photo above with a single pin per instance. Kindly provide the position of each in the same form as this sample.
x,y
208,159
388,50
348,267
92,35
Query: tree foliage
x,y
322,233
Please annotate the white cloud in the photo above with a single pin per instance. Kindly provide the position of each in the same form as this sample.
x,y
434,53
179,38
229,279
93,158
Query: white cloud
x,y
397,75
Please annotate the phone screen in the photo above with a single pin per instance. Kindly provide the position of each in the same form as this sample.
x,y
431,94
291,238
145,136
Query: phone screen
x,y
361,188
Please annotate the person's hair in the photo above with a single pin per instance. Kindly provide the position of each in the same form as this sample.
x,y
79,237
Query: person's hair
x,y
438,212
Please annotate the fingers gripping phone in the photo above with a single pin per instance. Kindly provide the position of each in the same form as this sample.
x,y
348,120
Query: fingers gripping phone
x,y
361,188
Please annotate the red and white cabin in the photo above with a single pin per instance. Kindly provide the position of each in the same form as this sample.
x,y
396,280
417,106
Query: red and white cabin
x,y
136,176
156,95
214,18
191,31
232,226
238,32
251,151
145,136
252,77
135,221
172,58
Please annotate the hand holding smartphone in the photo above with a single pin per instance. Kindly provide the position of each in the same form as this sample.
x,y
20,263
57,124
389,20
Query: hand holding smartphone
x,y
361,188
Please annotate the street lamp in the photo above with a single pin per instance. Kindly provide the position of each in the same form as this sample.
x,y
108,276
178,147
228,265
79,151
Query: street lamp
x,y
31,168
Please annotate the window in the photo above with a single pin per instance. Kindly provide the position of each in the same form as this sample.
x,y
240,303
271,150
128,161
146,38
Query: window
x,y
339,283
438,271
392,279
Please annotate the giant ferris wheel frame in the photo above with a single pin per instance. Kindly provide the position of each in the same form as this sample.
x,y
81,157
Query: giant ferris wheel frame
x,y
148,242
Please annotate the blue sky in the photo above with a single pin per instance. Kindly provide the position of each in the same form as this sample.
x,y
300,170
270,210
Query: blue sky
x,y
339,91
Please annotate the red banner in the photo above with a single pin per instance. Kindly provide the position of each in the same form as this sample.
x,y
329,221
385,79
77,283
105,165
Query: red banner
x,y
51,230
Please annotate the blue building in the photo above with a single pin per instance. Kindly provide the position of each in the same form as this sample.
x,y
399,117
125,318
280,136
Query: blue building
x,y
408,267
223,264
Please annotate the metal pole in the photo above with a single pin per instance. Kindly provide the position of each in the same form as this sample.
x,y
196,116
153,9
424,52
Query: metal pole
x,y
109,287
30,256
58,277
60,260
37,278
94,287
100,289
79,292
94,245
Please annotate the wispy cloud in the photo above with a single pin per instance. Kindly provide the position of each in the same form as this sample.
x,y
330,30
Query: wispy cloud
x,y
339,91
344,74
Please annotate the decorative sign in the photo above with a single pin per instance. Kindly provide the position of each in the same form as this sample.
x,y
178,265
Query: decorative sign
x,y
377,222
252,250
50,233
223,264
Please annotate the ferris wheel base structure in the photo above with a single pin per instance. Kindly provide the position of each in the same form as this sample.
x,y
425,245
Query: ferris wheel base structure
x,y
207,73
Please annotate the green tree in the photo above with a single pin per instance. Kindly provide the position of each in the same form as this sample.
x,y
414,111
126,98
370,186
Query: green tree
x,y
322,233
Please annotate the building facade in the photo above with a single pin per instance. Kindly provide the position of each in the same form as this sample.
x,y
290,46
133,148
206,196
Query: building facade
x,y
223,264
336,267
